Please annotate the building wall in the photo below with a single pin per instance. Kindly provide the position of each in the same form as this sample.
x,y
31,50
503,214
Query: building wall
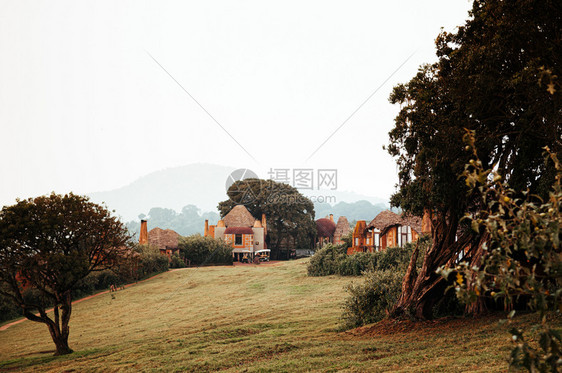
x,y
391,237
219,232
247,241
362,239
259,239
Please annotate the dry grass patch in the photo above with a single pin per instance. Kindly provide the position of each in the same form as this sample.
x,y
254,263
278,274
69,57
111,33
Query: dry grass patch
x,y
254,318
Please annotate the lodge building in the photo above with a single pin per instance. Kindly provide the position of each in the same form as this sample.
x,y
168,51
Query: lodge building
x,y
243,232
387,229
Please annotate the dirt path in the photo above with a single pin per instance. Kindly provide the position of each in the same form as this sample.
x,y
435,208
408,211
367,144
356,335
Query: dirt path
x,y
6,326
271,263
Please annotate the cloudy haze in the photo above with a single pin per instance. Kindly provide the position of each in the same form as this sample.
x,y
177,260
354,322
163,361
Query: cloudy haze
x,y
84,108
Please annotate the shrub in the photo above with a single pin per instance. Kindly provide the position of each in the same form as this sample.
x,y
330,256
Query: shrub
x,y
199,250
101,280
333,260
326,261
356,264
150,262
370,300
177,262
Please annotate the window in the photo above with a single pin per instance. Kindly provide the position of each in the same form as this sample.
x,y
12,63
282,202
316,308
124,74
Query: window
x,y
377,240
404,235
409,234
238,239
356,241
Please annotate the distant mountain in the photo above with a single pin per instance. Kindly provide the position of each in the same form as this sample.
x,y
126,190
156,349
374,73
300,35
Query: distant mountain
x,y
193,190
198,184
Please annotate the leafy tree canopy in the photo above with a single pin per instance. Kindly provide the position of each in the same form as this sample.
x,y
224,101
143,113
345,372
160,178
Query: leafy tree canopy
x,y
47,245
497,75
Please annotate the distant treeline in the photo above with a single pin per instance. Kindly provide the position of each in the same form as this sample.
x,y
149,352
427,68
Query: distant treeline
x,y
188,221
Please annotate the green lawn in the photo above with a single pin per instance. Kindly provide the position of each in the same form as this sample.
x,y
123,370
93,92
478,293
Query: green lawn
x,y
261,318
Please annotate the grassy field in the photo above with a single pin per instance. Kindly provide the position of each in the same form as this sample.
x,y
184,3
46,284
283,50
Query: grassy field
x,y
248,318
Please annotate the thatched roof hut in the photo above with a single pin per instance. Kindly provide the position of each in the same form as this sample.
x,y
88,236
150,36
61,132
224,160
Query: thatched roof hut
x,y
384,220
163,238
342,227
415,222
239,216
388,219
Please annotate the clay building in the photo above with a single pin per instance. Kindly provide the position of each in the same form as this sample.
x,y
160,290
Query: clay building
x,y
243,231
166,240
342,229
387,229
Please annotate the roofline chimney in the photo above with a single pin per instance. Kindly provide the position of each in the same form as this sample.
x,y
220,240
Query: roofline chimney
x,y
143,238
264,223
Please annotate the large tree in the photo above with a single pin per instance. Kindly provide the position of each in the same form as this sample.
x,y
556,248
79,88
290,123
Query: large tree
x,y
497,76
47,245
290,215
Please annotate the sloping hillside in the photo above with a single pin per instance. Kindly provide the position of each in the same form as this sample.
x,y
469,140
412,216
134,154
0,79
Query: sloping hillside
x,y
260,318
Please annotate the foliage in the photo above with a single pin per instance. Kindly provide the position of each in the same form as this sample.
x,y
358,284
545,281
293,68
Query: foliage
x,y
372,299
347,239
48,245
199,250
356,264
333,260
523,260
326,261
495,75
177,262
149,261
290,215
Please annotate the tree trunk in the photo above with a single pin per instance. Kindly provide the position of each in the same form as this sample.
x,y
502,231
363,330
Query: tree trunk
x,y
410,277
428,287
58,328
474,255
61,344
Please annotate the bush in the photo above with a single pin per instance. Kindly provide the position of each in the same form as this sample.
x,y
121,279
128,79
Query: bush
x,y
150,262
333,260
356,264
371,300
96,281
199,250
326,261
177,262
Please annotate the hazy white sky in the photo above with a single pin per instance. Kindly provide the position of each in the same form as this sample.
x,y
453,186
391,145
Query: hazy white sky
x,y
84,108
